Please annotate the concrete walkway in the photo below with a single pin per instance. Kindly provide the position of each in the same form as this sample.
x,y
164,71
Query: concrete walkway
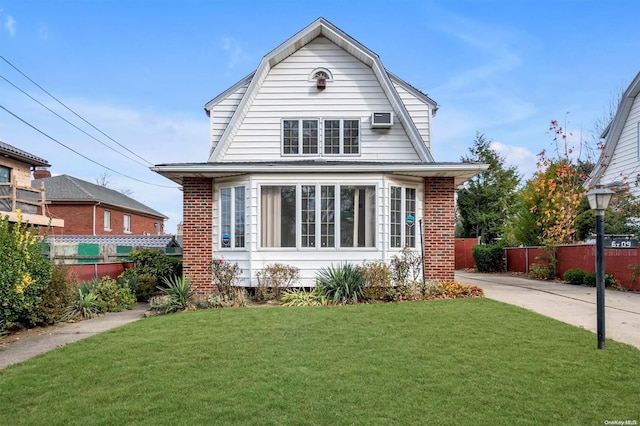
x,y
575,305
33,342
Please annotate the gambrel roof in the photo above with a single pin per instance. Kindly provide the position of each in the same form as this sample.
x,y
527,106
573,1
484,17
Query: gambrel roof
x,y
614,130
322,28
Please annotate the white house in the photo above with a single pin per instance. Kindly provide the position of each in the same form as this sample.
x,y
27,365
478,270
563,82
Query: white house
x,y
320,156
619,164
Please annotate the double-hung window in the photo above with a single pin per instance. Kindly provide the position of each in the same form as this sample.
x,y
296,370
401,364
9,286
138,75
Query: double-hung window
x,y
402,217
305,137
341,137
107,220
232,217
300,137
329,216
126,223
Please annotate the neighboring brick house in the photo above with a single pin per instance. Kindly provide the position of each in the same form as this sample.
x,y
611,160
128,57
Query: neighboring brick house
x,y
320,156
16,192
90,209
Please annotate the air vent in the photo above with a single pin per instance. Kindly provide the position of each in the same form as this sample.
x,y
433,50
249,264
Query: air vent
x,y
381,120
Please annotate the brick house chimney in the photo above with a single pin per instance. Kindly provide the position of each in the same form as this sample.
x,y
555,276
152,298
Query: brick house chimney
x,y
41,173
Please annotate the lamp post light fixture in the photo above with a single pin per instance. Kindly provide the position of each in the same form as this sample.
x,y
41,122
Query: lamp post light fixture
x,y
599,200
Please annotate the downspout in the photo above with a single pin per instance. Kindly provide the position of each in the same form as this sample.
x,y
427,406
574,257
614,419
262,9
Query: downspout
x,y
94,217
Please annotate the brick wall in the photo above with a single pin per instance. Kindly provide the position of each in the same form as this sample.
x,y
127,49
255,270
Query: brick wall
x,y
78,220
439,232
197,229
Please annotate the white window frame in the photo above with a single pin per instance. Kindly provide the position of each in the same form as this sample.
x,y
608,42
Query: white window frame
x,y
300,152
126,223
404,227
318,217
106,218
341,137
233,205
321,124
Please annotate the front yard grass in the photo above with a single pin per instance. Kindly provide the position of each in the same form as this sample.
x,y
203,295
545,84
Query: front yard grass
x,y
472,361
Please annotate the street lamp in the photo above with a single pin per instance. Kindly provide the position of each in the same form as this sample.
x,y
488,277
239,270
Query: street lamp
x,y
599,200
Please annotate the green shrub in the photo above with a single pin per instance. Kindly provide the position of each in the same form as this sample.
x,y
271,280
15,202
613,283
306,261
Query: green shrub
x,y
341,284
488,258
58,295
574,276
301,297
274,279
179,295
590,279
24,274
155,263
142,286
84,306
112,297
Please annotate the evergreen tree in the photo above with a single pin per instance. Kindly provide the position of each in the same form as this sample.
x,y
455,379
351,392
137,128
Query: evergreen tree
x,y
487,200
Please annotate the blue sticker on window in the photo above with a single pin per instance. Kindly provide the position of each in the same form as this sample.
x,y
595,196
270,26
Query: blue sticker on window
x,y
410,220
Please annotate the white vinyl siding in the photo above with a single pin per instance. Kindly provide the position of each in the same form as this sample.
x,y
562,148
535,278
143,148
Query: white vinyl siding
x,y
624,164
321,229
419,112
286,93
221,113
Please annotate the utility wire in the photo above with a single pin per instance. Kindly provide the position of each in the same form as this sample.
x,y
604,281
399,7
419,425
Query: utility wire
x,y
82,155
70,123
72,111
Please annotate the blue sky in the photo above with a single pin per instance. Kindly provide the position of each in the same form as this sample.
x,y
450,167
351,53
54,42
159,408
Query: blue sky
x,y
141,72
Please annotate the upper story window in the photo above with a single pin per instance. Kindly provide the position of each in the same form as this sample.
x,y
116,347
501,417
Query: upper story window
x,y
341,136
5,174
107,220
304,137
300,137
126,223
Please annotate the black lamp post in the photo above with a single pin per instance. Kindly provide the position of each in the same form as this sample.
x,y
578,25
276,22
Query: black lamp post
x,y
599,200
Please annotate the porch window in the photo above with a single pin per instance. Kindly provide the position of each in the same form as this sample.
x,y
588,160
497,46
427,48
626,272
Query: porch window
x,y
232,217
5,174
341,137
357,216
315,226
300,137
402,217
278,216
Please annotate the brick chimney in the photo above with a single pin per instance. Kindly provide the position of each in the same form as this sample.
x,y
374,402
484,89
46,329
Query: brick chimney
x,y
41,173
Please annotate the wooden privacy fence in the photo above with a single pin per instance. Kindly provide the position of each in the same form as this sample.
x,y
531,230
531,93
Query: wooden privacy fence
x,y
88,272
618,262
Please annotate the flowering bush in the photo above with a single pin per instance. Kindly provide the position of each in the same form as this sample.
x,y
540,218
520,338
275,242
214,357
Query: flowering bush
x,y
24,274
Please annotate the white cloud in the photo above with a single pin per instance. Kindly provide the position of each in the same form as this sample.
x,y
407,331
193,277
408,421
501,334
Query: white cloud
x,y
10,25
43,32
235,51
521,158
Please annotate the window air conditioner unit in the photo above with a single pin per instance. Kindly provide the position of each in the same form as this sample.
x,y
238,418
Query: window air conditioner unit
x,y
381,120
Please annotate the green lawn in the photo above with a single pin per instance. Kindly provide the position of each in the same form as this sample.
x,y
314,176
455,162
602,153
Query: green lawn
x,y
473,361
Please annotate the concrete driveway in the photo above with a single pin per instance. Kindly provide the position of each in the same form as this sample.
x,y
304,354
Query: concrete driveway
x,y
575,305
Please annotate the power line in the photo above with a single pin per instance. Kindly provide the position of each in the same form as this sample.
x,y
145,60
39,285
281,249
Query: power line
x,y
70,123
82,155
72,111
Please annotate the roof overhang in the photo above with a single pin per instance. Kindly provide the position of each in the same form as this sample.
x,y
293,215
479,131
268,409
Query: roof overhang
x,y
461,172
